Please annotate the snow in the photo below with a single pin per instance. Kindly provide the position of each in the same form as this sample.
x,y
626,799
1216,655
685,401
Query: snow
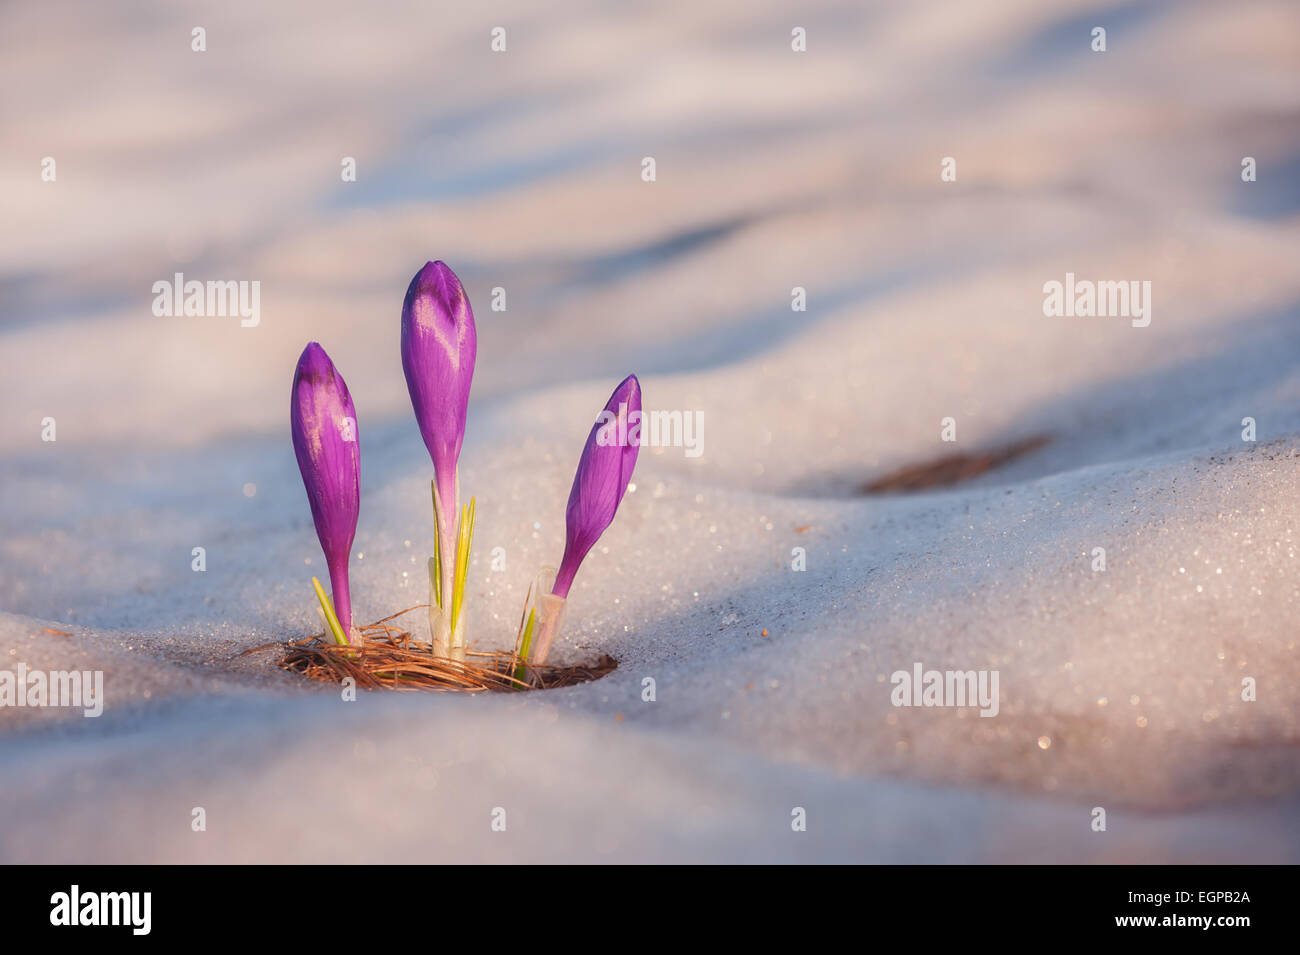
x,y
1120,689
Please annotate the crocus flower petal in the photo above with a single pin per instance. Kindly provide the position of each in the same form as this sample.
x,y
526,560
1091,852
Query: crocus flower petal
x,y
604,471
324,426
439,345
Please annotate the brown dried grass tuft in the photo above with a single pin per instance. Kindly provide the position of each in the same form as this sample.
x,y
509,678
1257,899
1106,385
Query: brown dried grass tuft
x,y
953,468
390,658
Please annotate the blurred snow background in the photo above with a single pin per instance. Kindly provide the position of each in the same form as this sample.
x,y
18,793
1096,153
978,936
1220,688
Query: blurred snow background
x,y
775,169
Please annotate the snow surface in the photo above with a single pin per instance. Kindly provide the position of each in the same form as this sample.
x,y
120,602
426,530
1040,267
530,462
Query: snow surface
x,y
1119,689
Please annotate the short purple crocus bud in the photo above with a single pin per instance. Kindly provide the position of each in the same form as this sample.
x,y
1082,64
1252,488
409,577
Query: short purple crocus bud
x,y
324,426
439,345
604,471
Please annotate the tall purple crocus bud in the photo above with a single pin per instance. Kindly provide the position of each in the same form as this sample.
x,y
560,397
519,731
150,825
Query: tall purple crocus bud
x,y
324,425
439,345
604,471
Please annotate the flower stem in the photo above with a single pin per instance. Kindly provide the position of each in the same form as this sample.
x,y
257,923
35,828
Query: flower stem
x,y
436,577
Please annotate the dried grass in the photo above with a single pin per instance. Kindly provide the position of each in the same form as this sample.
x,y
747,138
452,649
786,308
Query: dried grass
x,y
953,468
390,658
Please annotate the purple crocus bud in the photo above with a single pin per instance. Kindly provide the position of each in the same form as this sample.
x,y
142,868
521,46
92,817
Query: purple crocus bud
x,y
324,426
604,471
439,344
